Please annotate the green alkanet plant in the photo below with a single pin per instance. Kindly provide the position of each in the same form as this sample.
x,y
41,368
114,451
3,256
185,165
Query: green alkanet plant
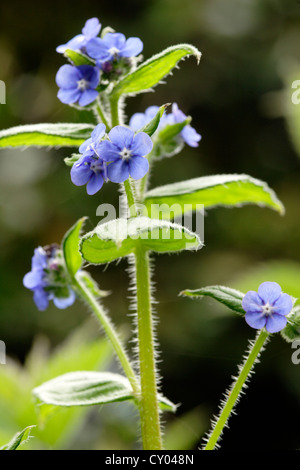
x,y
101,74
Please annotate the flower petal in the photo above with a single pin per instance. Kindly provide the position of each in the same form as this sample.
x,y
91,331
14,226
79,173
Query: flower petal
x,y
138,167
68,96
41,299
98,132
141,145
67,76
252,303
138,120
91,28
255,320
39,259
75,44
283,305
269,292
87,97
80,173
85,145
95,183
190,136
118,171
33,279
97,49
64,302
132,47
275,323
121,136
108,151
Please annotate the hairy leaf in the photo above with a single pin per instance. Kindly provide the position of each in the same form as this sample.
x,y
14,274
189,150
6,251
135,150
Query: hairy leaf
x,y
152,71
18,439
211,191
120,237
84,388
46,135
225,295
70,246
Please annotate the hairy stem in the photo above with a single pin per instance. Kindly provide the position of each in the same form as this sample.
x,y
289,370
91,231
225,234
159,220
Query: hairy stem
x,y
150,423
110,331
101,114
233,395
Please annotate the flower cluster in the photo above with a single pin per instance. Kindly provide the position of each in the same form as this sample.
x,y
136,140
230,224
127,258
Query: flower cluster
x,y
48,280
112,56
188,134
267,308
116,159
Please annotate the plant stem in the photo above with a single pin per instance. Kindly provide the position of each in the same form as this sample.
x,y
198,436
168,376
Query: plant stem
x,y
150,423
232,397
101,114
114,109
110,331
130,198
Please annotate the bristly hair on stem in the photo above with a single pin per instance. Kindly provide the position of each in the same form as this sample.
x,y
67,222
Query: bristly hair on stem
x,y
232,395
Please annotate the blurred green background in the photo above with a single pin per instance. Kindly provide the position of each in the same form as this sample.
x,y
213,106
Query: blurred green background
x,y
240,101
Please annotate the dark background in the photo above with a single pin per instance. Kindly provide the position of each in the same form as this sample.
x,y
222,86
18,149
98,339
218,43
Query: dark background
x,y
240,101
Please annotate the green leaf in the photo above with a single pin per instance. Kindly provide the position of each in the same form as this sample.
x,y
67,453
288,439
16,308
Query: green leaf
x,y
166,405
152,71
291,331
77,58
211,191
225,295
70,246
91,284
121,237
46,135
170,131
17,439
69,161
84,388
151,127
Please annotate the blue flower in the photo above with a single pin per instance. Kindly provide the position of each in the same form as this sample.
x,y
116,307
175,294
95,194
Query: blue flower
x,y
46,279
126,151
113,46
78,43
139,120
90,168
188,133
267,308
77,84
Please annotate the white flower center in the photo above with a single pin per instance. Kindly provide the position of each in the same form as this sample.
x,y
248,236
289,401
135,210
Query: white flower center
x,y
82,84
267,309
125,154
114,51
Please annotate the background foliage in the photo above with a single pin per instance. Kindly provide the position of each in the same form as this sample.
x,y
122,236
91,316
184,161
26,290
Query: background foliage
x,y
240,101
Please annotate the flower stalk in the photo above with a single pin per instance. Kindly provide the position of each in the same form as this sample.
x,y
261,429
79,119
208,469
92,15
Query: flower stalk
x,y
233,395
87,296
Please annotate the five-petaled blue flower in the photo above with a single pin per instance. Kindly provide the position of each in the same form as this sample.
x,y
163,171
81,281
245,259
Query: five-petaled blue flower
x,y
91,29
77,84
46,279
113,46
126,151
90,168
267,308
